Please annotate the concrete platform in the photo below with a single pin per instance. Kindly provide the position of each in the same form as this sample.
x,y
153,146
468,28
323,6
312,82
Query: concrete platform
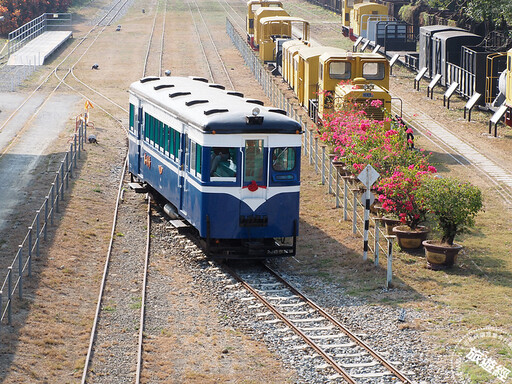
x,y
36,51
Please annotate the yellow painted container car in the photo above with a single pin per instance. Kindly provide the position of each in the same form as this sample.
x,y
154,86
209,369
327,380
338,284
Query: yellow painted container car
x,y
261,13
290,49
346,7
307,73
361,12
509,79
295,70
508,89
336,67
278,26
361,93
252,7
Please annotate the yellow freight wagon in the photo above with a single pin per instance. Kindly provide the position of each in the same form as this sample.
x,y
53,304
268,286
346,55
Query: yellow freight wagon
x,y
252,7
263,13
361,12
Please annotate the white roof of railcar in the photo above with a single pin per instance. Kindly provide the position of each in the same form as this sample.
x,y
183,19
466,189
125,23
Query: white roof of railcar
x,y
210,107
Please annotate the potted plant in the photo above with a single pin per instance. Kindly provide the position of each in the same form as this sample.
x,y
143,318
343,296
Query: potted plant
x,y
453,205
398,195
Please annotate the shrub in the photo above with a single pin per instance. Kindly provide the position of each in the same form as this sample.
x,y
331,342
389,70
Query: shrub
x,y
398,193
452,203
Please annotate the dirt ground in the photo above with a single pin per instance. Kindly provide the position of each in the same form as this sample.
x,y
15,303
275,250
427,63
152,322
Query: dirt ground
x,y
48,341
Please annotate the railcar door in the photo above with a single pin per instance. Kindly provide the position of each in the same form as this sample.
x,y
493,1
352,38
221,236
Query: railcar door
x,y
254,174
184,166
140,136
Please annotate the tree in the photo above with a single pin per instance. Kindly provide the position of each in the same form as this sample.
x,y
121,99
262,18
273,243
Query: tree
x,y
18,12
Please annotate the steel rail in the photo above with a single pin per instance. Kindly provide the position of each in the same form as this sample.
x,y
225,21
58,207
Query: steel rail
x,y
328,317
98,105
214,45
105,273
11,116
146,59
292,326
353,337
143,299
201,45
162,42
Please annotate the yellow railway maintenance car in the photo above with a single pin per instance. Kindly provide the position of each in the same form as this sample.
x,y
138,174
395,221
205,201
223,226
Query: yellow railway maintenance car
x,y
360,14
362,93
508,91
306,72
252,7
276,30
290,49
262,13
336,67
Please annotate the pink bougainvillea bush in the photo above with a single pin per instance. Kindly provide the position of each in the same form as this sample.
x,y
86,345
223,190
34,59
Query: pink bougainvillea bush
x,y
398,193
387,146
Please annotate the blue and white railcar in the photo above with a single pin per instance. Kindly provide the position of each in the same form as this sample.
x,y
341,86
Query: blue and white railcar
x,y
230,166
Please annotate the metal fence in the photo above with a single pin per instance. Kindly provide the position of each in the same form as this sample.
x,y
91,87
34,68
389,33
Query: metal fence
x,y
21,266
47,21
346,192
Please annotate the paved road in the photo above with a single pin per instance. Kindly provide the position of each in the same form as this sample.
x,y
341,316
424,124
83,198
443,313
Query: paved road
x,y
17,165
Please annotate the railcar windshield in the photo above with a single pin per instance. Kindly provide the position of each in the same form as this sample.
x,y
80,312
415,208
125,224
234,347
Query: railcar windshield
x,y
283,159
223,163
340,70
253,161
373,71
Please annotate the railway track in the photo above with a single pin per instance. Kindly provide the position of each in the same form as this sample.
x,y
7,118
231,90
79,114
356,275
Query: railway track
x,y
217,71
109,16
115,346
306,325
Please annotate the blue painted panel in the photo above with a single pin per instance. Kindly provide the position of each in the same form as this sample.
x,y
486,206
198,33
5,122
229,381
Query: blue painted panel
x,y
224,212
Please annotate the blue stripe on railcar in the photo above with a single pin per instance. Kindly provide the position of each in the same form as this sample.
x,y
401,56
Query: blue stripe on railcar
x,y
225,211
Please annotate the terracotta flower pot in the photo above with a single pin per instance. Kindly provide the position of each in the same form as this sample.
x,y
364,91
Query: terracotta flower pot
x,y
440,256
410,238
390,223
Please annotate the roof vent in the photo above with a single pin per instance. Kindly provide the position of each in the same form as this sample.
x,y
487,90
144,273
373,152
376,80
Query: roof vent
x,y
233,93
201,79
254,101
212,111
149,78
194,102
217,86
162,86
280,111
176,94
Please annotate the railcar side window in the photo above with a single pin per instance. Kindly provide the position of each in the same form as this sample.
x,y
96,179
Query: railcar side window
x,y
175,143
253,161
340,70
373,71
223,162
196,158
283,159
146,127
166,138
132,116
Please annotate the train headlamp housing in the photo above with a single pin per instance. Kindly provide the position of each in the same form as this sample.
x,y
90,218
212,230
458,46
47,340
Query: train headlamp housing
x,y
254,119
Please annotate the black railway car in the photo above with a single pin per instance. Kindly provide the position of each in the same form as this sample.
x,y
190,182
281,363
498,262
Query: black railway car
x,y
447,49
426,43
392,35
480,68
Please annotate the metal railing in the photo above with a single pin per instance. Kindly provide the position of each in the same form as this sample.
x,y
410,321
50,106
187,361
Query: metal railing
x,y
21,266
345,190
19,37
